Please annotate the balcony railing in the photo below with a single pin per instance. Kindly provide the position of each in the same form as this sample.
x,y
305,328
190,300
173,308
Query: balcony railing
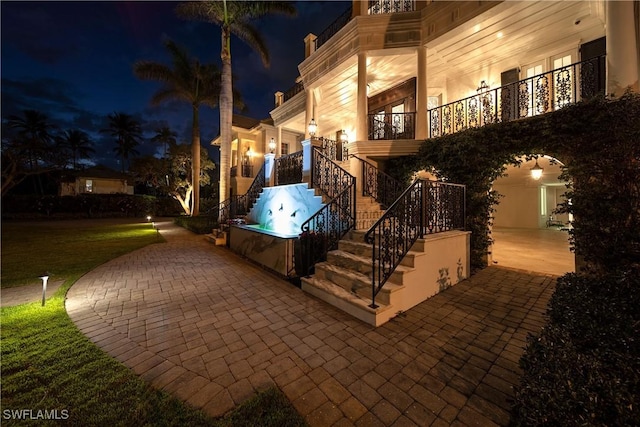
x,y
293,91
379,7
333,28
535,95
391,126
334,150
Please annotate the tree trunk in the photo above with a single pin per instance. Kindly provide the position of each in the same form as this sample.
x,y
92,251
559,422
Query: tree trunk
x,y
226,112
195,162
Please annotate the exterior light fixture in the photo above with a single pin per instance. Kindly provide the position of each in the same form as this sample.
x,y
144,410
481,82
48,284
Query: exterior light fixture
x,y
249,153
148,218
313,127
536,171
272,145
344,138
483,87
45,279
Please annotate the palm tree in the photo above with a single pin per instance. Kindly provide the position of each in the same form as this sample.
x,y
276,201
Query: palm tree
x,y
33,136
233,17
127,132
165,136
77,143
187,81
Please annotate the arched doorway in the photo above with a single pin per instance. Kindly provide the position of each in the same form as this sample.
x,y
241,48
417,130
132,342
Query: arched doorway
x,y
527,234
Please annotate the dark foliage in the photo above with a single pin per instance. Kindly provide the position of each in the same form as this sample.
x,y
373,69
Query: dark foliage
x,y
87,206
202,224
584,367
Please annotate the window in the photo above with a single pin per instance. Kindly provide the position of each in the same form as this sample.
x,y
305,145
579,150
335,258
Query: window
x,y
284,149
88,186
378,125
397,114
531,91
562,81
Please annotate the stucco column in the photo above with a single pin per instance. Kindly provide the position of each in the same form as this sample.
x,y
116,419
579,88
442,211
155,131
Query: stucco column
x,y
361,107
279,142
269,169
308,112
421,94
622,31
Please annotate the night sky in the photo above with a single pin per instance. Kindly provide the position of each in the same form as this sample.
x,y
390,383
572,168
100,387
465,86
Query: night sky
x,y
73,61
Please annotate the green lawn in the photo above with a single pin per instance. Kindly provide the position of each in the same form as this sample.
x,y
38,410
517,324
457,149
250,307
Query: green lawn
x,y
47,364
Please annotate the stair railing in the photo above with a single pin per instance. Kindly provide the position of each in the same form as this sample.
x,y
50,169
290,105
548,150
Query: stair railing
x,y
240,205
324,229
383,188
426,207
289,169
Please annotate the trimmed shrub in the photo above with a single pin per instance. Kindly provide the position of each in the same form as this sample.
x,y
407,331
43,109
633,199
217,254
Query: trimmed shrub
x,y
202,224
584,367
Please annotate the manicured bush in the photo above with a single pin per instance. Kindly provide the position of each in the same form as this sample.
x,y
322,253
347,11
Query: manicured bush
x,y
202,224
584,367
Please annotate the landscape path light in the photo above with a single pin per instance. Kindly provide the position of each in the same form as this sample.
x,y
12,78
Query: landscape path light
x,y
45,279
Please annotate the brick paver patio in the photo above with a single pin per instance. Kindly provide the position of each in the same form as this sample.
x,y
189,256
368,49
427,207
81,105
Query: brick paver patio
x,y
201,323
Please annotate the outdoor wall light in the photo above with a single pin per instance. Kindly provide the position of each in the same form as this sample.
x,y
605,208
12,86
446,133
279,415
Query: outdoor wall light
x,y
483,87
249,153
272,145
313,127
536,171
45,279
344,138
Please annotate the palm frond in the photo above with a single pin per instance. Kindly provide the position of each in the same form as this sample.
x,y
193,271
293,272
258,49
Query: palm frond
x,y
250,35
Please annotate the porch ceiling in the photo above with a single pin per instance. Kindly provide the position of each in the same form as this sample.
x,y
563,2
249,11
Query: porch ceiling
x,y
528,31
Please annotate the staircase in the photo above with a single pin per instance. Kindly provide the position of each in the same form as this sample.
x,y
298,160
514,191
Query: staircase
x,y
344,280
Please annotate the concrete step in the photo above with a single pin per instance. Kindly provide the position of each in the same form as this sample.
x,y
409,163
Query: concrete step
x,y
356,283
363,265
348,302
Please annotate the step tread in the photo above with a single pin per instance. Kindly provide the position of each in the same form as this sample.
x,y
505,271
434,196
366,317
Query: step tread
x,y
365,260
360,277
340,292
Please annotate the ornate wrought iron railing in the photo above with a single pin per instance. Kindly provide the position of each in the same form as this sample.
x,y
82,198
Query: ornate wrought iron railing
x,y
426,207
535,95
289,169
333,28
293,91
379,7
239,205
327,176
324,229
391,126
376,184
334,150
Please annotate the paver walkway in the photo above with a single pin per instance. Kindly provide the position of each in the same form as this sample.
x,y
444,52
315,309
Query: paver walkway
x,y
201,323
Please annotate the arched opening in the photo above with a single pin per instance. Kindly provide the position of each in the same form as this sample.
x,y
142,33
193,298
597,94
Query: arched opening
x,y
527,233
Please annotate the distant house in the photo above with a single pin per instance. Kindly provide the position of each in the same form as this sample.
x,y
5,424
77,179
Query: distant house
x,y
96,180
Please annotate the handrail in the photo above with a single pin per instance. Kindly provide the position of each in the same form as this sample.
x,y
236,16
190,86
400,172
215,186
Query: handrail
x,y
327,176
535,95
292,91
289,169
324,229
383,188
240,205
425,207
333,150
334,27
393,126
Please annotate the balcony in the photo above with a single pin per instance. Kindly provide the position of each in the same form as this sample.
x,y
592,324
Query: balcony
x,y
536,95
293,91
333,28
379,7
391,126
